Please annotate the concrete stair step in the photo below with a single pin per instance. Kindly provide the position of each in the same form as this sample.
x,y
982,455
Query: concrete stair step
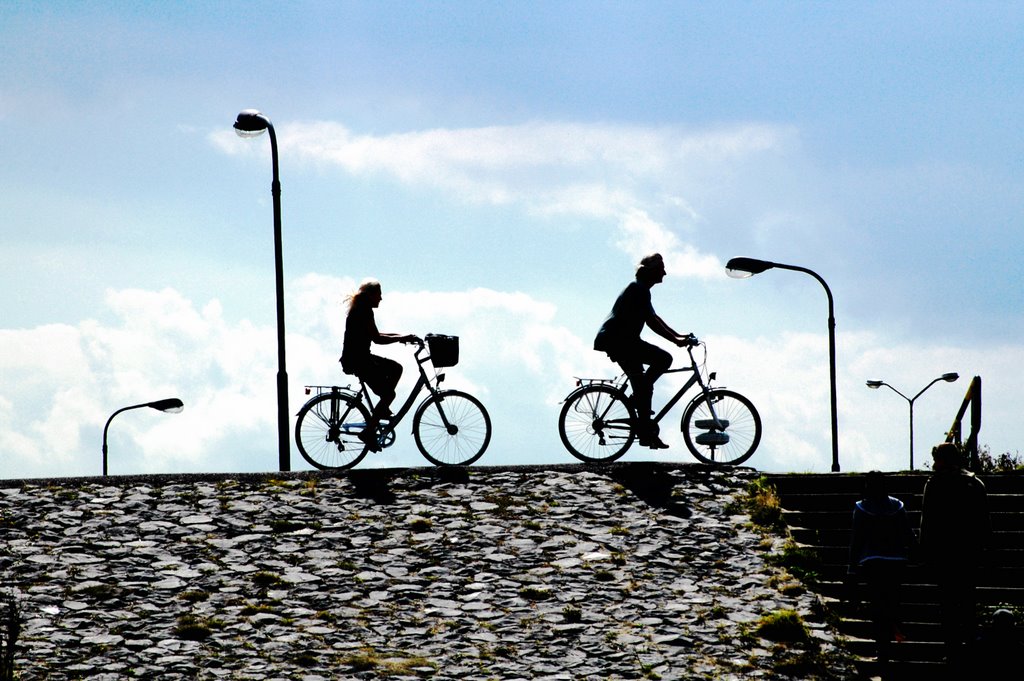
x,y
1002,521
840,537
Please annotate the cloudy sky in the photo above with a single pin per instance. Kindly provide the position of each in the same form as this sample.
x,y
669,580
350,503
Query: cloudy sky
x,y
501,167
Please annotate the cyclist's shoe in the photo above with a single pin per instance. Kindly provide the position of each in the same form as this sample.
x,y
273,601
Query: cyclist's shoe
x,y
369,438
653,442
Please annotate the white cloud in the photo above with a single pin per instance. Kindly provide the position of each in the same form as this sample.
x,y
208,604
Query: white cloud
x,y
620,175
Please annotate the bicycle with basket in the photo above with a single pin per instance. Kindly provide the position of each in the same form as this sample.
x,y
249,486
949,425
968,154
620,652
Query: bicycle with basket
x,y
451,427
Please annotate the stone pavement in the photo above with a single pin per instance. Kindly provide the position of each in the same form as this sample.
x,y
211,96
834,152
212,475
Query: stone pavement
x,y
626,572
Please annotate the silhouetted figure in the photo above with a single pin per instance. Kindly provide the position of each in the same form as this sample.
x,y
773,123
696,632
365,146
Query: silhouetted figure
x,y
619,337
999,651
380,373
880,548
954,533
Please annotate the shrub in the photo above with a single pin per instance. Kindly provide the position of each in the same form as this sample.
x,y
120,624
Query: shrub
x,y
782,626
1003,463
803,562
533,593
191,628
763,505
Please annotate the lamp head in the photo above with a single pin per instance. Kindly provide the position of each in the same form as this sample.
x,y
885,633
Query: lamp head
x,y
875,385
251,123
171,406
741,268
950,377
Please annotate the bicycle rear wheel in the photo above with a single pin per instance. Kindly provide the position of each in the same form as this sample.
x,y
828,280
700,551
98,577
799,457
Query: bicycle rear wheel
x,y
732,438
596,424
452,428
327,431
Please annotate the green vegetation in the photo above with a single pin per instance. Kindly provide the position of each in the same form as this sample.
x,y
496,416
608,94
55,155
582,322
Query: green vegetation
x,y
782,626
761,502
193,596
509,506
249,610
1003,463
265,580
398,664
421,525
534,593
572,614
192,628
803,562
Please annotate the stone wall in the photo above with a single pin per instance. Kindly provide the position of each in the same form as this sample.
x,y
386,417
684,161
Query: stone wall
x,y
624,572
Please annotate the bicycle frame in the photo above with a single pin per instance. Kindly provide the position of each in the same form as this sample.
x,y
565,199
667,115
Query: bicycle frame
x,y
695,378
422,382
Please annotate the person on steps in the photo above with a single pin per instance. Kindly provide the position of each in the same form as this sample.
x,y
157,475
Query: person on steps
x,y
880,548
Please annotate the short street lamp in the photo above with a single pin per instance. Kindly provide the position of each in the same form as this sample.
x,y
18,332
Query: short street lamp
x,y
170,406
741,268
252,123
875,385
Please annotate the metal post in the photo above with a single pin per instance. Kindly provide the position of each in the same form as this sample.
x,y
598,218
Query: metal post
x,y
283,442
251,123
831,358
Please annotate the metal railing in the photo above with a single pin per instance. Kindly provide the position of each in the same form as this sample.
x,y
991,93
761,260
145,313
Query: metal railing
x,y
973,400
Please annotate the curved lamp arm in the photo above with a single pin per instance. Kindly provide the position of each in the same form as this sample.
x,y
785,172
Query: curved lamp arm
x,y
171,406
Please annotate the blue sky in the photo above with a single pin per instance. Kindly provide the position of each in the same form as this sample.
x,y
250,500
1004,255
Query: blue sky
x,y
500,168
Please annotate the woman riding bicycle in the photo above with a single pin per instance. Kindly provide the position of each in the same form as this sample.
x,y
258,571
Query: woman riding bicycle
x,y
380,373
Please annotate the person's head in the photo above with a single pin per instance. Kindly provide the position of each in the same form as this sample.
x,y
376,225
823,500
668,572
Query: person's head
x,y
875,485
946,456
369,294
651,269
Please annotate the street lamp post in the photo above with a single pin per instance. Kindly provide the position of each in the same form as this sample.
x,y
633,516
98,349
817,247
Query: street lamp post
x,y
875,385
741,268
252,123
170,406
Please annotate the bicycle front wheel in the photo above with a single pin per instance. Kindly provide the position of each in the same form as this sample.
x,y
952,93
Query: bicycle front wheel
x,y
727,437
452,428
327,431
596,424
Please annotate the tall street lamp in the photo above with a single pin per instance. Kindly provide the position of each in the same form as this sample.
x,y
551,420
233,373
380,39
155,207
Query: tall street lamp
x,y
875,385
170,406
252,123
741,268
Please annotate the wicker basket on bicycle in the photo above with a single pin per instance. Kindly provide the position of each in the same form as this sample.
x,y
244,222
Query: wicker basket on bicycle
x,y
444,350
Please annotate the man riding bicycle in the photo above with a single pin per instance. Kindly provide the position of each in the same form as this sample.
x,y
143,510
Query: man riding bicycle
x,y
619,337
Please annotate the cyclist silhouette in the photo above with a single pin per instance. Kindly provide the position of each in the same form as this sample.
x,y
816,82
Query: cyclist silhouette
x,y
380,373
619,337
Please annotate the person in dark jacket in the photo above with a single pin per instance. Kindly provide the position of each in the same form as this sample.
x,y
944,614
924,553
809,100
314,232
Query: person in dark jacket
x,y
954,534
880,547
619,337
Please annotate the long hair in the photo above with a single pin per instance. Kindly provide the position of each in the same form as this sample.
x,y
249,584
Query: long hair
x,y
357,298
